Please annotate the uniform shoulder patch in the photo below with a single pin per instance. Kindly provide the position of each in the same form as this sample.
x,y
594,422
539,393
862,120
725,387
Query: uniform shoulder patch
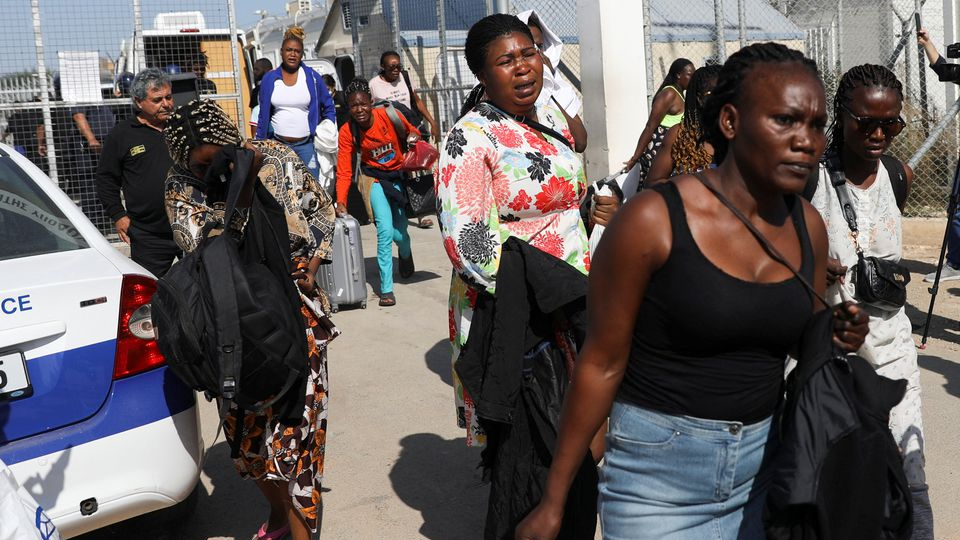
x,y
138,149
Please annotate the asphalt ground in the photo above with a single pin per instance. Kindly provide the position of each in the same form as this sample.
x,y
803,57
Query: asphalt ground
x,y
396,463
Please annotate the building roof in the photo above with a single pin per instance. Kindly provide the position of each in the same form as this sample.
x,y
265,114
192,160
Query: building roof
x,y
694,20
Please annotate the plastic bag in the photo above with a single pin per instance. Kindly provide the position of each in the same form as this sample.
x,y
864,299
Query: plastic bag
x,y
420,157
21,518
627,184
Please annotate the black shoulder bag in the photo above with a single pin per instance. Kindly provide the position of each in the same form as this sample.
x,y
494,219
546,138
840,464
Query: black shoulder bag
x,y
879,283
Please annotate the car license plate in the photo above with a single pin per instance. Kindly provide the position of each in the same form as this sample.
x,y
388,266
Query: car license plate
x,y
14,379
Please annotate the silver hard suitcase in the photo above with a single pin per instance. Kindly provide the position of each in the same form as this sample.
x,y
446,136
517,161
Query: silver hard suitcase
x,y
344,280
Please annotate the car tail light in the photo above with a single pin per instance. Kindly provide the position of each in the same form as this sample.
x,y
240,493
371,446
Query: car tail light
x,y
137,349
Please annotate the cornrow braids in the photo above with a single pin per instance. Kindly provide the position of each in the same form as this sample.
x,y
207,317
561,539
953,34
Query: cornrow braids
x,y
357,85
864,75
196,123
729,87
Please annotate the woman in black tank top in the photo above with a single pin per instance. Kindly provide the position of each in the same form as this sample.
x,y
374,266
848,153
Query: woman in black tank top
x,y
691,322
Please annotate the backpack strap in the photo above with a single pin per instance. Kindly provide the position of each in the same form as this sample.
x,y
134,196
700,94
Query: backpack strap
x,y
898,178
406,79
839,182
398,127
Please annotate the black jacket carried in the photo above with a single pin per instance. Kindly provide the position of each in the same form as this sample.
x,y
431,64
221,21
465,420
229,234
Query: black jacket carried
x,y
838,474
513,368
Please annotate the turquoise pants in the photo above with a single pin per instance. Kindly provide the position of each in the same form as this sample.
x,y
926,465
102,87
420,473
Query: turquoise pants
x,y
391,224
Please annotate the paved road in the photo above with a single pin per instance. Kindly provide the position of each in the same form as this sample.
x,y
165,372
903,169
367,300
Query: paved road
x,y
396,465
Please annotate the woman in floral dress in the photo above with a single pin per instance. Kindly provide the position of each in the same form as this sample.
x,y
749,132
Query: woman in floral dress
x,y
506,169
285,460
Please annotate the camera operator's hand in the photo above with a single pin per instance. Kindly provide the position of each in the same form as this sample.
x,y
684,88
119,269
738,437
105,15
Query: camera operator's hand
x,y
923,38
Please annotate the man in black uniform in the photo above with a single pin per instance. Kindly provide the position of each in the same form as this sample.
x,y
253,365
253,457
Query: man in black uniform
x,y
135,160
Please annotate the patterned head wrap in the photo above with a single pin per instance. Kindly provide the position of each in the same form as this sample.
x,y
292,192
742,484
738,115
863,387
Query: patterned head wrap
x,y
196,123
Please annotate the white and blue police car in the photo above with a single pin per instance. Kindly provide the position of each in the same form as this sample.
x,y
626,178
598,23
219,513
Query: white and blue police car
x,y
92,422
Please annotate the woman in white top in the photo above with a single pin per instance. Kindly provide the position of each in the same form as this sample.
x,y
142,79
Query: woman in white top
x,y
866,119
293,102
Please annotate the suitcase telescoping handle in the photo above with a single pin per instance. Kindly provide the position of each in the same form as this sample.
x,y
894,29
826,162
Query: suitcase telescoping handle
x,y
352,241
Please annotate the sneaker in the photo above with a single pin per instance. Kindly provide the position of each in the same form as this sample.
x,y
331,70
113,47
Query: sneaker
x,y
948,273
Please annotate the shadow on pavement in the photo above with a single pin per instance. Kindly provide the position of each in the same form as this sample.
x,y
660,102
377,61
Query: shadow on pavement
x,y
919,267
233,509
440,478
949,370
438,360
940,327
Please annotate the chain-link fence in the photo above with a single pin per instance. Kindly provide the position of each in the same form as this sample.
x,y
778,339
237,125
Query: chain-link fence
x,y
838,35
66,68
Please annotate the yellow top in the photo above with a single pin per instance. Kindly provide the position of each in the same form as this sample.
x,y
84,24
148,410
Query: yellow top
x,y
670,120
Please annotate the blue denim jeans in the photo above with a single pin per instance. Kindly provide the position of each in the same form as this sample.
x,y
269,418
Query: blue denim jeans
x,y
391,224
953,241
307,154
682,478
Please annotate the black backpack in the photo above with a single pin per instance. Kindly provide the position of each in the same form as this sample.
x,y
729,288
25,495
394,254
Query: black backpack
x,y
228,317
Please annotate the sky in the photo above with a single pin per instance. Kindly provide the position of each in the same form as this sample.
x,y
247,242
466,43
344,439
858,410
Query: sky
x,y
102,25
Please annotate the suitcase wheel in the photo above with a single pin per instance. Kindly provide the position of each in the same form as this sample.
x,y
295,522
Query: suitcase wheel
x,y
335,308
363,305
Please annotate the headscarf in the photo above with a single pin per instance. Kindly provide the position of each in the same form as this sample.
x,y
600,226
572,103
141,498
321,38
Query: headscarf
x,y
196,123
554,86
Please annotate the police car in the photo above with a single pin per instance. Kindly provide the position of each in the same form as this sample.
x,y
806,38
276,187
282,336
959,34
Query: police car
x,y
92,423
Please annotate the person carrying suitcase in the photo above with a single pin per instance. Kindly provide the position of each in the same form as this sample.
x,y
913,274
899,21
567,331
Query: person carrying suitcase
x,y
370,135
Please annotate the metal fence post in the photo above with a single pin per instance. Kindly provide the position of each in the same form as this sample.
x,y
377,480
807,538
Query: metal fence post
x,y
237,68
137,34
720,31
742,19
355,37
445,97
839,36
395,22
44,91
648,50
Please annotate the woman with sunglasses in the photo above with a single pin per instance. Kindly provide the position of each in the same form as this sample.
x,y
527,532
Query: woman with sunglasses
x,y
866,113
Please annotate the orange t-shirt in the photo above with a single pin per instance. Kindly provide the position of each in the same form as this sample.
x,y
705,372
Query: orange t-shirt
x,y
379,148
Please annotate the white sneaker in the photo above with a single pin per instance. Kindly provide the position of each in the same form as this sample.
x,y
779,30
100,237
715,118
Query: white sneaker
x,y
948,273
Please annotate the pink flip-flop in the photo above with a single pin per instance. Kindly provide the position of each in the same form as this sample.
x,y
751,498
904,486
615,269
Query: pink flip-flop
x,y
276,534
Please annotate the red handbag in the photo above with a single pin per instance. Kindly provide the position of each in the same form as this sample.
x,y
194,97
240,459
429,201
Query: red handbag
x,y
419,157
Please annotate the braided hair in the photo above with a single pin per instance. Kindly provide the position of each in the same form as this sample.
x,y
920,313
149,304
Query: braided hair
x,y
865,75
196,123
729,87
688,153
357,85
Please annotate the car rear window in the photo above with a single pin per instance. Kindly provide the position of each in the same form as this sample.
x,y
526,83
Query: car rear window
x,y
30,223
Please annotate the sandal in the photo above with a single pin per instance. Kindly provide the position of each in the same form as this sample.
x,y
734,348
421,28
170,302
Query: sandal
x,y
388,300
425,223
276,534
406,266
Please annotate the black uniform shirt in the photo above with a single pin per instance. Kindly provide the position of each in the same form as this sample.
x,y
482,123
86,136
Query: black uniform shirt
x,y
135,159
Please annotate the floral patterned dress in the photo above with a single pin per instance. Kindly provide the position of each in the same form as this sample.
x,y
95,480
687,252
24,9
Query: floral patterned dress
x,y
268,449
499,178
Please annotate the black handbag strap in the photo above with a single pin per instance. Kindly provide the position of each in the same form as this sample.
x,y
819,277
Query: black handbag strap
x,y
533,124
767,246
839,182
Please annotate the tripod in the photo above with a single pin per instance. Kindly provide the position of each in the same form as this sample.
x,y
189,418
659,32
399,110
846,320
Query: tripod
x,y
951,215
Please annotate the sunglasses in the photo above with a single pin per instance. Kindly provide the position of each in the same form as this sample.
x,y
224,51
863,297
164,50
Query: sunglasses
x,y
393,67
868,124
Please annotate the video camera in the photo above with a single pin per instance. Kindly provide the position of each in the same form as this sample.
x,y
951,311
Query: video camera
x,y
950,72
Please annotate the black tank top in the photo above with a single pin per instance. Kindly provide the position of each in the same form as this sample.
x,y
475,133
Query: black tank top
x,y
710,345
